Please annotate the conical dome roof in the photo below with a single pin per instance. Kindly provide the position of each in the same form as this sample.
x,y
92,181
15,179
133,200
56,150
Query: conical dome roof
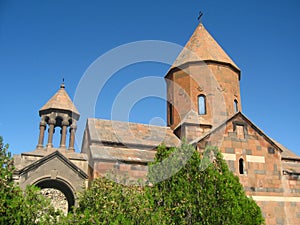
x,y
60,101
203,47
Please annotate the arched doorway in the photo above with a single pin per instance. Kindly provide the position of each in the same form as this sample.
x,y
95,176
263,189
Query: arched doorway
x,y
50,185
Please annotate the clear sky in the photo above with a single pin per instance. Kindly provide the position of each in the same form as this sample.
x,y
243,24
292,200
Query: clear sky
x,y
43,41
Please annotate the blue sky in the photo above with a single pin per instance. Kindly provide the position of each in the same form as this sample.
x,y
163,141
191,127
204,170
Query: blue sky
x,y
43,41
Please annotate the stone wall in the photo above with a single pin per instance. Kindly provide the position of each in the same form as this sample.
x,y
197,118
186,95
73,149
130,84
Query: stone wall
x,y
262,173
58,199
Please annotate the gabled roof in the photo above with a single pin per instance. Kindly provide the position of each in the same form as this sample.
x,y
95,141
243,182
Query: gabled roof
x,y
133,134
49,157
203,47
60,101
239,114
192,117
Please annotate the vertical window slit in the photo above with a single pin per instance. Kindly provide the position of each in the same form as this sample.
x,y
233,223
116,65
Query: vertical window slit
x,y
201,105
241,166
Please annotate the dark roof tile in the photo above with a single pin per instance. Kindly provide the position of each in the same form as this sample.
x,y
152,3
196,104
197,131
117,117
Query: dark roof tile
x,y
132,134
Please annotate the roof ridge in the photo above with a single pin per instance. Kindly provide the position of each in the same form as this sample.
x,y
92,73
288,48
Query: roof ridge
x,y
248,120
134,123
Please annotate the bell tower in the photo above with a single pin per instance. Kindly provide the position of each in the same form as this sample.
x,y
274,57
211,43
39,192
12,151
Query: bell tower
x,y
203,87
60,112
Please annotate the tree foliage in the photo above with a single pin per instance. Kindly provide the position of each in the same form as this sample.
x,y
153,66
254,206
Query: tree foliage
x,y
107,202
204,191
18,206
193,189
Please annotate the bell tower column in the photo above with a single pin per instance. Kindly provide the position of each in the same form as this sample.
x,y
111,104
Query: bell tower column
x,y
65,123
72,137
50,132
42,134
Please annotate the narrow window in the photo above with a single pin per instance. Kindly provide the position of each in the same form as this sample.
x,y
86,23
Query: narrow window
x,y
271,150
241,166
240,131
170,114
201,105
236,105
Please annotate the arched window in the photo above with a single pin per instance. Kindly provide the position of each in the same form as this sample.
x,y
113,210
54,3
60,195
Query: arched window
x,y
201,105
241,166
236,105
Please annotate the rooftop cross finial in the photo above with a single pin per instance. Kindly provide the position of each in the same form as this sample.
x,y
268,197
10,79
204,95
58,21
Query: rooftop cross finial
x,y
63,83
199,17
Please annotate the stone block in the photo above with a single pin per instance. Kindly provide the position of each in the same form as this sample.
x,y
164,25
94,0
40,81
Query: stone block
x,y
230,150
279,221
259,171
248,152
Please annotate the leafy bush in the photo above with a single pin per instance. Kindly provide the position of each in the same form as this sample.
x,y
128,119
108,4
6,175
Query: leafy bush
x,y
17,206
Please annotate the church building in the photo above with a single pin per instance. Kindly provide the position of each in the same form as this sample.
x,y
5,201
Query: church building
x,y
203,108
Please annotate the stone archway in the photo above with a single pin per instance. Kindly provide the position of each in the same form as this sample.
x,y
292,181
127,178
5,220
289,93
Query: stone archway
x,y
57,198
49,187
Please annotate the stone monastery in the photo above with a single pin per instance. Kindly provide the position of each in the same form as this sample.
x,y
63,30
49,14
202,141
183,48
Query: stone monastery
x,y
203,107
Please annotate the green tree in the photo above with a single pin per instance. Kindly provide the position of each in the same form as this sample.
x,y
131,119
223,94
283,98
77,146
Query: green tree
x,y
203,191
17,206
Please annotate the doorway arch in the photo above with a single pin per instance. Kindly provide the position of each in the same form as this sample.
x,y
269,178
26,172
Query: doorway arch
x,y
60,185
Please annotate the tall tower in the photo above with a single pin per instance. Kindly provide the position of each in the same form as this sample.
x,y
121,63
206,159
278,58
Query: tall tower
x,y
202,87
59,111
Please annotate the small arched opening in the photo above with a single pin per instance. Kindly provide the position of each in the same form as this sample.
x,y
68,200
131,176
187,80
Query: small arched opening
x,y
62,187
170,113
241,166
57,131
201,105
236,105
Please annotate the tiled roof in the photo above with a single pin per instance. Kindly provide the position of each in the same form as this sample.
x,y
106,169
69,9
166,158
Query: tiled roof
x,y
192,117
60,100
202,46
286,152
122,154
291,167
126,133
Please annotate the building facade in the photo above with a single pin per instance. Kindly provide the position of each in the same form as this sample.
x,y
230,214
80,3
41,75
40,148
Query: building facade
x,y
203,107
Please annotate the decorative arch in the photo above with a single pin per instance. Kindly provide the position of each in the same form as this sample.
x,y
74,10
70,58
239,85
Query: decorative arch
x,y
60,185
58,121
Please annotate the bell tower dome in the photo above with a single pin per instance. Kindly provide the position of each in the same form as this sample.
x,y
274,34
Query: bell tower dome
x,y
202,87
59,111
